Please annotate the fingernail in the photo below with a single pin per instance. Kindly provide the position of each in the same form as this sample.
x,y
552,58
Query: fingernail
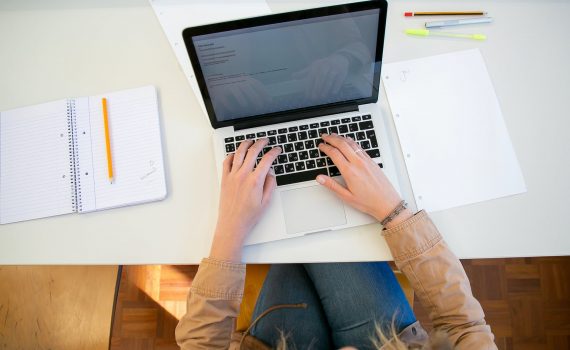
x,y
324,135
321,179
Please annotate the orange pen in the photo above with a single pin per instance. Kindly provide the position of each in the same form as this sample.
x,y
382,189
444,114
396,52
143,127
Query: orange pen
x,y
107,140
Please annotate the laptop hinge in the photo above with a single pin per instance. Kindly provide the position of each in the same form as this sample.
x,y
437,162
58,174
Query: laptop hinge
x,y
281,117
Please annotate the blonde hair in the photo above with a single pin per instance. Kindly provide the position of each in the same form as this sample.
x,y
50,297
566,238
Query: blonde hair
x,y
437,341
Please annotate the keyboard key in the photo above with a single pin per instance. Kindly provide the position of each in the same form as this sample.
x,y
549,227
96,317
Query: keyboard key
x,y
230,148
272,132
371,135
293,129
329,161
373,142
299,146
261,134
323,131
229,139
318,142
351,135
342,129
281,139
302,135
365,144
314,153
272,141
345,120
321,162
250,136
313,134
291,137
311,164
366,117
353,127
300,166
335,122
309,144
278,169
333,130
274,162
304,127
293,157
373,153
366,125
360,136
288,147
289,168
237,144
303,155
333,171
356,119
282,131
314,125
308,175
266,149
240,138
282,158
325,123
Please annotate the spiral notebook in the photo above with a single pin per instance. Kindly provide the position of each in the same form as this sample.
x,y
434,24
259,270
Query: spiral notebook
x,y
53,155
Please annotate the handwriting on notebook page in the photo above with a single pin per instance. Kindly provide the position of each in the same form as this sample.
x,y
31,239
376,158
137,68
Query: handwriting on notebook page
x,y
151,170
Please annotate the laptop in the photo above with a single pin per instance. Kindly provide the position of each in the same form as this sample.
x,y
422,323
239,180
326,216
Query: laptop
x,y
290,77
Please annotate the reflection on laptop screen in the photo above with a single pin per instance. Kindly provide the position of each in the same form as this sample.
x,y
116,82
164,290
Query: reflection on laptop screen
x,y
296,64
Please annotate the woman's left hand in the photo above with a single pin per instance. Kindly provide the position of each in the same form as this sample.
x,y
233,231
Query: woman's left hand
x,y
245,193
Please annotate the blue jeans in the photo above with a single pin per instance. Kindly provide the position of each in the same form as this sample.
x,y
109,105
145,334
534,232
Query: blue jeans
x,y
346,301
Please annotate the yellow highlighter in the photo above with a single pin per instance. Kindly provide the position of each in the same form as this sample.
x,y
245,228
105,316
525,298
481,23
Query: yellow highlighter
x,y
426,32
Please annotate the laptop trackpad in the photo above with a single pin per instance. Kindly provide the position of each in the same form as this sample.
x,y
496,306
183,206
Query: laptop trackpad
x,y
311,208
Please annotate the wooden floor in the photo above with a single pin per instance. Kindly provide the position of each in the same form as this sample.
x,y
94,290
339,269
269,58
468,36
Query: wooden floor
x,y
526,302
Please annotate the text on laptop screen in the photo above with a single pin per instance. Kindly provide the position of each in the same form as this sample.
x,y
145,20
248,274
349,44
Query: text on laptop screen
x,y
290,65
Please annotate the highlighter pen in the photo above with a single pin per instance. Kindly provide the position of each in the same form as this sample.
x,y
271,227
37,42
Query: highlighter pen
x,y
425,32
458,22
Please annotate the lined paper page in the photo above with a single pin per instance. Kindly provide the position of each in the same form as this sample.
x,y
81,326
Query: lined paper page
x,y
136,148
35,178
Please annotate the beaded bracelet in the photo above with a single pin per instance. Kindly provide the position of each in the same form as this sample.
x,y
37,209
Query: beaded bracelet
x,y
399,208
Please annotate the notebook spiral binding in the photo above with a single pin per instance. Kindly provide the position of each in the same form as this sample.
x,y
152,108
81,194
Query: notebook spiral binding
x,y
74,170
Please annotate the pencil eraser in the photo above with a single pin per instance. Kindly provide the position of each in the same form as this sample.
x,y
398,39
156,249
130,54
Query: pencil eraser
x,y
408,14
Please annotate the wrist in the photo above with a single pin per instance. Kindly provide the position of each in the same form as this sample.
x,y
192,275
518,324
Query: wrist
x,y
403,216
227,245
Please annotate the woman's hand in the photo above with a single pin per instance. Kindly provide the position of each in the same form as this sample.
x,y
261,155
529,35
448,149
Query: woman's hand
x,y
367,188
245,193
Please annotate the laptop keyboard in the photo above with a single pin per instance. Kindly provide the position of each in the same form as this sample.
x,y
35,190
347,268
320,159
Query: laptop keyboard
x,y
301,160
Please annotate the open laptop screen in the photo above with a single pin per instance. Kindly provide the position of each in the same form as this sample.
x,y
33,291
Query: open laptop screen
x,y
289,65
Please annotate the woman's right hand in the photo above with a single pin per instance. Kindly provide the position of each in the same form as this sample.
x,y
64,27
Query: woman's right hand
x,y
367,188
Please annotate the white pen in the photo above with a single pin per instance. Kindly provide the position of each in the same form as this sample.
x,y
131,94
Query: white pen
x,y
458,22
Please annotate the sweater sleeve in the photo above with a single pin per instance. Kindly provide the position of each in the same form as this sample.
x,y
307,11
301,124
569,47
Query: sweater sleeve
x,y
440,282
213,306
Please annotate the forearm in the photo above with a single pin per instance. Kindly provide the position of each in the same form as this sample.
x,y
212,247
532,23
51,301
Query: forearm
x,y
213,305
439,280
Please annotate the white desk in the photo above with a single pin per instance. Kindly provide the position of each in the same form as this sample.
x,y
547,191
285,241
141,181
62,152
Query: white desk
x,y
55,51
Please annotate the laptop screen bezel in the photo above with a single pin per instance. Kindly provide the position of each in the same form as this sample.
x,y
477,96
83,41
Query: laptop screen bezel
x,y
189,33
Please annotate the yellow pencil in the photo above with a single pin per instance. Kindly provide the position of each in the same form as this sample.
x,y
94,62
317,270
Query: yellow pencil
x,y
107,140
